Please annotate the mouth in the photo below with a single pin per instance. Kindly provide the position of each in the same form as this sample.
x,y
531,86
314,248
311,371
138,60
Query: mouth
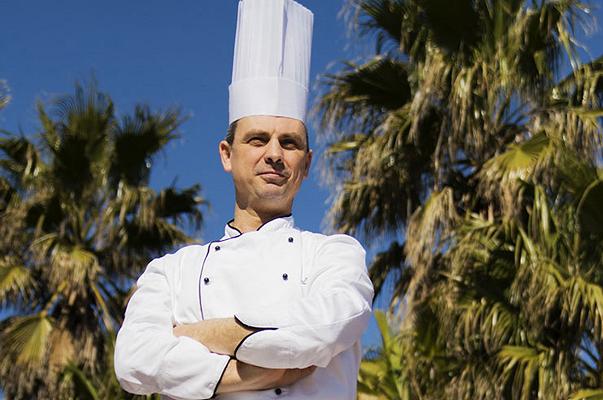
x,y
272,174
273,177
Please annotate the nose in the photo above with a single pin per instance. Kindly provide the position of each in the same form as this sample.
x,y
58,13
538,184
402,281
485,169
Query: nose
x,y
274,152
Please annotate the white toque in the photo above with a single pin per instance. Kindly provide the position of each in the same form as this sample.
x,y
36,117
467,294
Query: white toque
x,y
271,67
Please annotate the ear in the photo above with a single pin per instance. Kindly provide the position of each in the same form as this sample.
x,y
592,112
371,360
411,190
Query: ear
x,y
308,163
225,150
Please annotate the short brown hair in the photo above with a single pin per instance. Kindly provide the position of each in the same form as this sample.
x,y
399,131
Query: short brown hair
x,y
231,132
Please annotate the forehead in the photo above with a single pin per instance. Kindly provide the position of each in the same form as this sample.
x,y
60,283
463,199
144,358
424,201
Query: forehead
x,y
271,124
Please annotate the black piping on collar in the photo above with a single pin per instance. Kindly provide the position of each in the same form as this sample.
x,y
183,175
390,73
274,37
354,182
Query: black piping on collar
x,y
229,223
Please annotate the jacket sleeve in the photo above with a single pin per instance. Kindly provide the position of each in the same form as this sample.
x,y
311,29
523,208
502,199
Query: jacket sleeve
x,y
315,328
149,358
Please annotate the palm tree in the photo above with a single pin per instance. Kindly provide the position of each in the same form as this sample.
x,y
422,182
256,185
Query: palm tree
x,y
452,136
78,221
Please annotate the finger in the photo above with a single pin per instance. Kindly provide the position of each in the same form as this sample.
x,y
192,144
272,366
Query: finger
x,y
307,371
293,375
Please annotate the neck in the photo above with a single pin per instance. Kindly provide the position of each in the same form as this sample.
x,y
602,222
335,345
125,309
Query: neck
x,y
246,220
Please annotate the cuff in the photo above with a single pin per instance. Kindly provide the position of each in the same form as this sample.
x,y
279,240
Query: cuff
x,y
251,320
268,348
255,329
217,383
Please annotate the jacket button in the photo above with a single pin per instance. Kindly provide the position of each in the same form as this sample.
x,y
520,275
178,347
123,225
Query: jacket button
x,y
217,248
278,391
290,240
285,276
206,280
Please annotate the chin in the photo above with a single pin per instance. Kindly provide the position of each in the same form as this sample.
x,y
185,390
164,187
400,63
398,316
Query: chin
x,y
274,198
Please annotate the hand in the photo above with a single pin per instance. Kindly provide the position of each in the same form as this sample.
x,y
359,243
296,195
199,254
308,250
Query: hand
x,y
219,335
286,377
240,376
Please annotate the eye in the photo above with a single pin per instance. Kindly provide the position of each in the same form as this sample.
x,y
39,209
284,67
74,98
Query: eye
x,y
257,141
290,144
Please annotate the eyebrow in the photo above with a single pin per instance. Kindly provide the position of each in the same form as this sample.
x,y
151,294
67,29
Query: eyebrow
x,y
260,132
300,142
253,132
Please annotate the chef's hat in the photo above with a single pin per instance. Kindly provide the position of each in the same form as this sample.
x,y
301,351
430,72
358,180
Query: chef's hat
x,y
271,66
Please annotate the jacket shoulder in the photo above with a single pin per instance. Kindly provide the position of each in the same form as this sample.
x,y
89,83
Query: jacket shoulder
x,y
316,241
322,238
176,258
173,265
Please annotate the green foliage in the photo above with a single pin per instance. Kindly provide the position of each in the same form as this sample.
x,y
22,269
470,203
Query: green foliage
x,y
461,142
382,372
78,221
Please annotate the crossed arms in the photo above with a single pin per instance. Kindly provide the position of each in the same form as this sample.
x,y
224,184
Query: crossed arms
x,y
196,361
223,336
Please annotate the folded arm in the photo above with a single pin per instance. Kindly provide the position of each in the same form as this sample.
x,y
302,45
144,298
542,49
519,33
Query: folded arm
x,y
219,335
150,359
313,329
304,332
151,356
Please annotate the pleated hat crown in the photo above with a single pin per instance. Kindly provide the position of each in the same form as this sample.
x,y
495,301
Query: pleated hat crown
x,y
271,68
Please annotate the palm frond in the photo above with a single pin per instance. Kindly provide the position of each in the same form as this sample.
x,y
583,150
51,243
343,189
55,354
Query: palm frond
x,y
587,394
138,139
85,387
173,204
72,268
388,267
429,227
519,161
20,161
25,340
382,373
590,212
15,282
453,26
525,368
62,348
384,181
370,90
383,18
583,305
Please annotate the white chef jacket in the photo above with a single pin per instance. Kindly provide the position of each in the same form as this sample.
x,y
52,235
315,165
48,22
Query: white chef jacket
x,y
311,291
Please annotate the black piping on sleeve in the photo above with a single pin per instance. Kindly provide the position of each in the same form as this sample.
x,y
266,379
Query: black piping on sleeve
x,y
238,321
213,396
255,330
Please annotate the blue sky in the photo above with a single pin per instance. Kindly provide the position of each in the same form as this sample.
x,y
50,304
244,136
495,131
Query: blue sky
x,y
162,53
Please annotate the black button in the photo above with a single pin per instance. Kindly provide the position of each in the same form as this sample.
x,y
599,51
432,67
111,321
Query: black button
x,y
290,240
285,276
206,280
217,248
278,391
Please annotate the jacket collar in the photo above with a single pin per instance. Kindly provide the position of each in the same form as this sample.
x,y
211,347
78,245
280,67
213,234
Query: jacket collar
x,y
278,223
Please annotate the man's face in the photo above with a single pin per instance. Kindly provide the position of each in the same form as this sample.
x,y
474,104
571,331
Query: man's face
x,y
268,159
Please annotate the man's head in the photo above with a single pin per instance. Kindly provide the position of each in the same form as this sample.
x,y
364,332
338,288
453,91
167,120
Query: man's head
x,y
268,158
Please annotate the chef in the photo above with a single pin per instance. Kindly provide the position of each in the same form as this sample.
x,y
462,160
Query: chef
x,y
268,311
